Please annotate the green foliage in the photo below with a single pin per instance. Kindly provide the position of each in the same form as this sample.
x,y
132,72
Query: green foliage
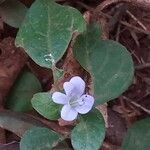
x,y
109,63
89,133
39,139
47,31
138,136
44,105
25,87
13,12
18,123
45,35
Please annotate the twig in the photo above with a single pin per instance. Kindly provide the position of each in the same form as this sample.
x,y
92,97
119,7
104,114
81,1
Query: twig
x,y
134,18
13,142
139,3
135,38
14,145
99,9
119,11
118,33
127,24
143,66
136,104
136,57
135,28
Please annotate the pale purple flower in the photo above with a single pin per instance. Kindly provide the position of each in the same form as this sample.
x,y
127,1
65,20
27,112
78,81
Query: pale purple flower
x,y
74,101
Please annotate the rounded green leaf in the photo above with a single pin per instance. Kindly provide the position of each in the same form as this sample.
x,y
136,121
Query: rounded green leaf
x,y
39,139
47,31
89,133
44,105
109,63
138,136
13,12
19,98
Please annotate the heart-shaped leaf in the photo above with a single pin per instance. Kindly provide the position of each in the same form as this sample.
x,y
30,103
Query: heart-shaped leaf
x,y
25,87
18,123
89,133
109,63
44,105
39,138
138,136
47,31
13,12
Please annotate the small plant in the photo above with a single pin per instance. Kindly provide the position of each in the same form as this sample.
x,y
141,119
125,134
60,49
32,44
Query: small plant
x,y
45,34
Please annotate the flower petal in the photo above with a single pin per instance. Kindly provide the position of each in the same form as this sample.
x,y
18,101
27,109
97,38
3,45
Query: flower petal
x,y
68,113
75,87
86,102
69,89
60,98
79,85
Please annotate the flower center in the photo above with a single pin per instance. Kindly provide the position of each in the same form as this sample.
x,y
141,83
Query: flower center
x,y
76,102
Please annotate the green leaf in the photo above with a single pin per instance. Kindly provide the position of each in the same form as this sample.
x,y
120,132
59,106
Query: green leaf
x,y
17,122
47,31
44,105
13,12
25,87
89,133
109,63
39,139
138,136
